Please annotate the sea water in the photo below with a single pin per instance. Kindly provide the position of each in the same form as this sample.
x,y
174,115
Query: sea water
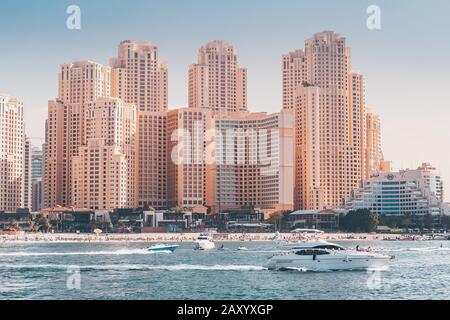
x,y
420,270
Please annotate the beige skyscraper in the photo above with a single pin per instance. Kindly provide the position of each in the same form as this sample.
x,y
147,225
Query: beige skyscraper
x,y
187,148
139,77
79,84
294,73
217,82
12,154
253,162
104,171
374,157
329,105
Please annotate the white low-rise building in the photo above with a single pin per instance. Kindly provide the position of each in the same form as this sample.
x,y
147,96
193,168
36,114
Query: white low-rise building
x,y
414,192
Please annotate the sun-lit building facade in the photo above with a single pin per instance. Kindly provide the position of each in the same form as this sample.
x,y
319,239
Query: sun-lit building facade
x,y
104,172
328,100
152,159
79,84
217,82
12,153
252,162
140,77
188,155
374,155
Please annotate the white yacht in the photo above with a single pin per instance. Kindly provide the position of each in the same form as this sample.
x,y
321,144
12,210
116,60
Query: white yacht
x,y
323,256
204,243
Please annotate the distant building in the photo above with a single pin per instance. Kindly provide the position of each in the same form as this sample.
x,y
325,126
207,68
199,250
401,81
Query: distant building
x,y
36,179
19,220
38,195
325,220
27,183
12,154
413,192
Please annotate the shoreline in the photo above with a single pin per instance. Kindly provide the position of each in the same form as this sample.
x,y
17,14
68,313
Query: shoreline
x,y
187,237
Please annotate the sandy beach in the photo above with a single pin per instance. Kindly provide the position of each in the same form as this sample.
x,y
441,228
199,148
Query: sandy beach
x,y
184,237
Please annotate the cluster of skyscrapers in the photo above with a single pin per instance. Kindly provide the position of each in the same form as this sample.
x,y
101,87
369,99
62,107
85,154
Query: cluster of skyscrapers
x,y
111,141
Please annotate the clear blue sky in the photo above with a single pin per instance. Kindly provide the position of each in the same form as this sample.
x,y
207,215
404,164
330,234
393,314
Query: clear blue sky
x,y
406,64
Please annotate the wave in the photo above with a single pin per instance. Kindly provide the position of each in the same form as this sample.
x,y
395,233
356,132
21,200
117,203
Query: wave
x,y
81,253
137,267
419,249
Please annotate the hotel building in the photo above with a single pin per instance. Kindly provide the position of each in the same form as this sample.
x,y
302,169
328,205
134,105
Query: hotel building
x,y
12,154
217,82
407,192
139,77
330,121
104,171
79,84
188,156
253,162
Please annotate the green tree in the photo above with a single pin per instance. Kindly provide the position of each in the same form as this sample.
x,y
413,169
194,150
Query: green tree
x,y
406,221
445,221
361,220
428,221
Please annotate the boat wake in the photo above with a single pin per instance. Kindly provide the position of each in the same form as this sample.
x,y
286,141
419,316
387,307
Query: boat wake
x,y
423,249
82,253
135,267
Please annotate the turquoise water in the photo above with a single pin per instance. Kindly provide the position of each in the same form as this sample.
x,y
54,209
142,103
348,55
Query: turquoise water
x,y
421,270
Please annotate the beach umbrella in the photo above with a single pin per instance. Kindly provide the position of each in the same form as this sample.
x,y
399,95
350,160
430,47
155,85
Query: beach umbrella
x,y
98,232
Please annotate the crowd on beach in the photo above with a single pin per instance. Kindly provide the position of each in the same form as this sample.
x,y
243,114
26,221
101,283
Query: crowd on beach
x,y
189,237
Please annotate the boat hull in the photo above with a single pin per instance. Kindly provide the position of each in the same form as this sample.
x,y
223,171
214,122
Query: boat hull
x,y
163,249
205,245
327,263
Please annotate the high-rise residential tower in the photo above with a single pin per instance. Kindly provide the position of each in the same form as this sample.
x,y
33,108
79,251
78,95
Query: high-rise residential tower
x,y
12,154
187,152
217,82
104,172
329,106
294,74
253,162
139,77
27,182
79,84
374,156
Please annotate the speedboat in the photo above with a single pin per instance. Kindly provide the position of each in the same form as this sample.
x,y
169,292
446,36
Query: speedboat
x,y
163,248
324,256
204,242
242,248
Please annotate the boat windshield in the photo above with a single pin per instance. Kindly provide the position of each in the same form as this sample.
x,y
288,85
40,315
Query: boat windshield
x,y
329,247
202,238
311,252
